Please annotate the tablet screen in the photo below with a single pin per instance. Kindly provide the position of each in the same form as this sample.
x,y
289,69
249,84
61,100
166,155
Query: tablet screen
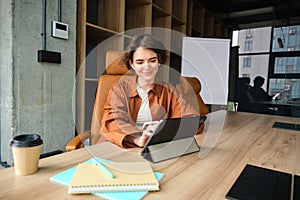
x,y
175,129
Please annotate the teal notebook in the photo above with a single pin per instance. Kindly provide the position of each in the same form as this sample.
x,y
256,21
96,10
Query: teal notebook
x,y
65,178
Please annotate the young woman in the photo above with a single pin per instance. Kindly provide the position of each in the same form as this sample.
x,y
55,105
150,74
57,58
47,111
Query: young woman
x,y
141,98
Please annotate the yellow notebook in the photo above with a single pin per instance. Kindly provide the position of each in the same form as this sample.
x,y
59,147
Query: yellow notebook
x,y
129,176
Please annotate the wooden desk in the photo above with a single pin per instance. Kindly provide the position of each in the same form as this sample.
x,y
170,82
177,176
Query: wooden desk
x,y
245,138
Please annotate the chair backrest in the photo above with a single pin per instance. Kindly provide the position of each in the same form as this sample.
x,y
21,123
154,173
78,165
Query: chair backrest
x,y
114,71
243,95
190,87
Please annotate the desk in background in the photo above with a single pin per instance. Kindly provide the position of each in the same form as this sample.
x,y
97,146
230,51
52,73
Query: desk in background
x,y
246,138
283,107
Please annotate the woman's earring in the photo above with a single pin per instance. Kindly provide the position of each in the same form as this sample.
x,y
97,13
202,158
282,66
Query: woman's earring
x,y
158,64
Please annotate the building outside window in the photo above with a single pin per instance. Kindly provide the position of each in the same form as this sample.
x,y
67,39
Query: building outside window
x,y
247,62
285,71
278,63
290,37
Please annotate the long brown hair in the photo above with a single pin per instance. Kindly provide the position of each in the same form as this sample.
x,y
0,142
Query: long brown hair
x,y
148,42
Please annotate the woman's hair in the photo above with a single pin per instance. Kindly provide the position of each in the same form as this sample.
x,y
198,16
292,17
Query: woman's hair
x,y
148,42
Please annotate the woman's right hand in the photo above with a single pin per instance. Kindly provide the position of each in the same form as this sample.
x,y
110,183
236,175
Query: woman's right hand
x,y
142,140
148,131
139,141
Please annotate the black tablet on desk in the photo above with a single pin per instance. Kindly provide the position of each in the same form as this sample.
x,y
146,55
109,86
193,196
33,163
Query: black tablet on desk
x,y
257,183
173,138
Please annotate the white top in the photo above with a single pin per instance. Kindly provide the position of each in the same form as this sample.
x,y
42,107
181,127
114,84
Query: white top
x,y
144,114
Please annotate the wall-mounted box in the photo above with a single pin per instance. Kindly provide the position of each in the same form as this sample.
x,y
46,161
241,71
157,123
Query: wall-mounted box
x,y
59,30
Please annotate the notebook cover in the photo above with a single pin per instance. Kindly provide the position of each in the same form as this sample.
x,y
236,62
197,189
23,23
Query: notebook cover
x,y
129,176
261,184
66,176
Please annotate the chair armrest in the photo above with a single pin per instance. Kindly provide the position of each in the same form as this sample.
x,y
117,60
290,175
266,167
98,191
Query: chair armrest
x,y
77,142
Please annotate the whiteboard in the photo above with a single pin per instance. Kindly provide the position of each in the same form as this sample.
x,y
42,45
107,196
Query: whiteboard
x,y
208,60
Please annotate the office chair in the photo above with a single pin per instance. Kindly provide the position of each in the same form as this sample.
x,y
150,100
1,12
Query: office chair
x,y
190,88
243,96
114,71
246,102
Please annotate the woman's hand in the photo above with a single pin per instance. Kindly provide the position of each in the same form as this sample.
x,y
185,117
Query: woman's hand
x,y
148,130
139,141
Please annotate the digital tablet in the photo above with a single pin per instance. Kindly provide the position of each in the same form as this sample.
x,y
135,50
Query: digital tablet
x,y
173,138
260,183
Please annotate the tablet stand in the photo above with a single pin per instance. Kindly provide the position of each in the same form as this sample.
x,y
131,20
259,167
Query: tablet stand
x,y
164,151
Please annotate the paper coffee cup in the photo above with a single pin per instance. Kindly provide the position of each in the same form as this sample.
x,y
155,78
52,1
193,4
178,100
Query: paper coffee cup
x,y
26,153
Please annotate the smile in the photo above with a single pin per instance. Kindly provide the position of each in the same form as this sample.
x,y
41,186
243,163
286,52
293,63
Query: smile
x,y
147,73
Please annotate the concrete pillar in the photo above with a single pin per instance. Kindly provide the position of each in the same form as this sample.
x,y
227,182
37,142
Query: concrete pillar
x,y
36,97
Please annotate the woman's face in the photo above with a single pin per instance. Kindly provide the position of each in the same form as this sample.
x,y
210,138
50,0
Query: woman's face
x,y
145,64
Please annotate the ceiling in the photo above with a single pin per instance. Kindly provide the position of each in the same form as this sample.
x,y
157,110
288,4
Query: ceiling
x,y
244,14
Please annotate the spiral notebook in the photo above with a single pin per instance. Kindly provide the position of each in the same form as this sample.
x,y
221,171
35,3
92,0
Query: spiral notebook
x,y
65,177
129,176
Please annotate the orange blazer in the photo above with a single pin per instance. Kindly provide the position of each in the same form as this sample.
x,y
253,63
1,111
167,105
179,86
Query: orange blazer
x,y
123,103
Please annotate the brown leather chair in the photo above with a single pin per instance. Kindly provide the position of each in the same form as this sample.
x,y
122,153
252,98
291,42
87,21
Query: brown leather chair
x,y
114,71
190,88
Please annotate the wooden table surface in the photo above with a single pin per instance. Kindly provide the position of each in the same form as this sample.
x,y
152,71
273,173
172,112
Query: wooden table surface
x,y
229,142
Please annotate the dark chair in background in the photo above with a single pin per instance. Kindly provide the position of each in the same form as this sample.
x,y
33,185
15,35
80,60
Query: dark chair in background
x,y
243,96
246,102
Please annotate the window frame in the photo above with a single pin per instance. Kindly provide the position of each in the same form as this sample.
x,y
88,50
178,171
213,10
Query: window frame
x,y
273,55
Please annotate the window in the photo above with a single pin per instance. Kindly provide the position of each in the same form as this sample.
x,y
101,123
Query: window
x,y
279,61
290,37
291,49
258,43
285,63
293,30
248,33
292,40
289,88
248,45
245,75
247,62
262,56
295,89
254,65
